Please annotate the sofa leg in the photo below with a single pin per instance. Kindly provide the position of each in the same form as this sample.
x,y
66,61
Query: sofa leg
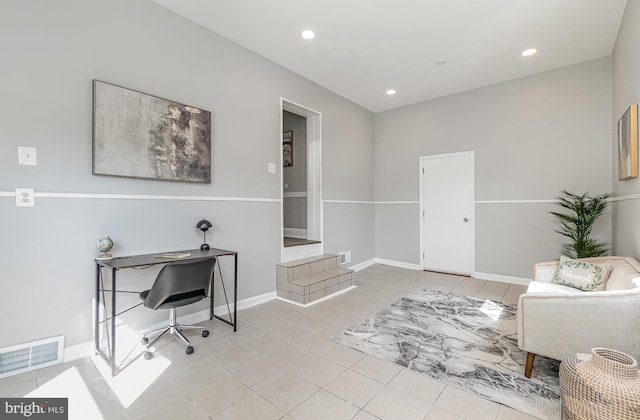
x,y
529,366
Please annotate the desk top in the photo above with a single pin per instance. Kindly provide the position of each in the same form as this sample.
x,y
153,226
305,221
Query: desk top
x,y
154,259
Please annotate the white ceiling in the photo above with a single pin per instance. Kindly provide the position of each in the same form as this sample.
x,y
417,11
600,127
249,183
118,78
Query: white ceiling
x,y
364,47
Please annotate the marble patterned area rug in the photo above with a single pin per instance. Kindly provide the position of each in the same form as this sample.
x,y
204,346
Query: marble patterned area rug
x,y
465,342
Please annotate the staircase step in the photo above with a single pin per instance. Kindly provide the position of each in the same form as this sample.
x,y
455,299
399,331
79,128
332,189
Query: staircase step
x,y
309,279
307,260
320,277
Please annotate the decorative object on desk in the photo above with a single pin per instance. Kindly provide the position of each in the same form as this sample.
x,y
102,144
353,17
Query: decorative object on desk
x,y
136,135
601,385
104,245
176,255
204,225
577,224
628,144
287,148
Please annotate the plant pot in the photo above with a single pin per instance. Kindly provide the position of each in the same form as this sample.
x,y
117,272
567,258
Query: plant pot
x,y
603,385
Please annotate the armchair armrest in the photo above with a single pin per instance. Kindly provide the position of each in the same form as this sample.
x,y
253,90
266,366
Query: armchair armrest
x,y
556,325
544,271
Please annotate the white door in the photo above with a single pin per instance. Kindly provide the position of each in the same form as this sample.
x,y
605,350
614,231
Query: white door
x,y
446,210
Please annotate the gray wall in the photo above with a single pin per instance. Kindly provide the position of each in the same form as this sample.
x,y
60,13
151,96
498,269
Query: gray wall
x,y
295,177
532,137
626,91
49,60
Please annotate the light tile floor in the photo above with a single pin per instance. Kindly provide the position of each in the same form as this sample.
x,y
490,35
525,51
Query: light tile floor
x,y
278,365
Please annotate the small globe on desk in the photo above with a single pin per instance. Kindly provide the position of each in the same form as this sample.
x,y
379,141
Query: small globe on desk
x,y
104,245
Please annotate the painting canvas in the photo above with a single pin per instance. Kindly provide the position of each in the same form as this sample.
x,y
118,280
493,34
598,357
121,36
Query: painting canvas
x,y
287,148
628,144
138,135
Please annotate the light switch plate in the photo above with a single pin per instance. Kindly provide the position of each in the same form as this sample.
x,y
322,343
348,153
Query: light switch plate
x,y
27,156
272,168
25,197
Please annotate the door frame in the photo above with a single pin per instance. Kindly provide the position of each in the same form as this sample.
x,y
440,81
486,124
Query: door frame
x,y
314,182
472,240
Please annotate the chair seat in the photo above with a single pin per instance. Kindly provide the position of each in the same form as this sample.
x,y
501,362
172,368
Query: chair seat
x,y
180,299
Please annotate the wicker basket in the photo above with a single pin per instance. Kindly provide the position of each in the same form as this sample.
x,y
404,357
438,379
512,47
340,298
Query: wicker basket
x,y
603,385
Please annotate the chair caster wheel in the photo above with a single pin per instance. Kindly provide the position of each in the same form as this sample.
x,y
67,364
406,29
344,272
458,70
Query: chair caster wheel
x,y
205,333
144,341
148,355
189,349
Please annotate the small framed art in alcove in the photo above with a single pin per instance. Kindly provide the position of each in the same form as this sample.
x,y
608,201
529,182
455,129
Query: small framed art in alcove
x,y
287,148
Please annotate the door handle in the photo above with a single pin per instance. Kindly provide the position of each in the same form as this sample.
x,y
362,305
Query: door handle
x,y
466,219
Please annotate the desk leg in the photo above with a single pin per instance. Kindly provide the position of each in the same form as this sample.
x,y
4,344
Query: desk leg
x,y
113,323
233,322
235,293
96,325
211,290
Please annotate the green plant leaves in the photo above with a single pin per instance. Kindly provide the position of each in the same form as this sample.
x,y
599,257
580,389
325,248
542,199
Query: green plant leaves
x,y
577,223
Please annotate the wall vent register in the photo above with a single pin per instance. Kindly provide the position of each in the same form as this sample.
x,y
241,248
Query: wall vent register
x,y
31,356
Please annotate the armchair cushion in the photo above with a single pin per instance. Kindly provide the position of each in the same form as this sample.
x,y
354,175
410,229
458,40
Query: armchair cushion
x,y
583,275
544,287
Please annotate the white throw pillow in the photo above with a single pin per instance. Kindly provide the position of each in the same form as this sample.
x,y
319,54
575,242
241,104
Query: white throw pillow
x,y
582,275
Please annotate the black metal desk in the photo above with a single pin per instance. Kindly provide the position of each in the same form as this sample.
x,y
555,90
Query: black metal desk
x,y
148,260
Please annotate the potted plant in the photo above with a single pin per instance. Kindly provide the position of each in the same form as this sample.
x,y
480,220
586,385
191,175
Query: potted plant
x,y
583,210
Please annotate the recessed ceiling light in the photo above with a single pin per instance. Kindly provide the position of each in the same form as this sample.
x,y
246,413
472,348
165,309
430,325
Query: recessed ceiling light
x,y
391,92
308,34
529,52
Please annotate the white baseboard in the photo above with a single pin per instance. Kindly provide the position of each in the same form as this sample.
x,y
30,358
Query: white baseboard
x,y
252,301
482,276
87,349
399,264
295,194
332,295
295,233
500,278
362,265
79,351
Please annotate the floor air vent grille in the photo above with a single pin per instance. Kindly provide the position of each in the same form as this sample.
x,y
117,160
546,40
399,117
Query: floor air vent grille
x,y
30,356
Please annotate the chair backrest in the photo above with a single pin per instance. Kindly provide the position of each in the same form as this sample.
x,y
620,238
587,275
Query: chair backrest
x,y
180,277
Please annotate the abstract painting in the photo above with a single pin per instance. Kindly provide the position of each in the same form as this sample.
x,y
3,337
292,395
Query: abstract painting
x,y
137,135
628,144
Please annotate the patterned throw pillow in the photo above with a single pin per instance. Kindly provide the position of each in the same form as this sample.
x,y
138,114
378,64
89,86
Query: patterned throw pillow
x,y
582,275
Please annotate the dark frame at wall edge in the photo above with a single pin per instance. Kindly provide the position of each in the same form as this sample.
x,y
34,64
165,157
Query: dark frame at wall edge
x,y
628,143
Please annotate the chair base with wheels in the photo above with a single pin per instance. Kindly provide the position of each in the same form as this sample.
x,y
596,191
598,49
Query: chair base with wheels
x,y
173,329
178,284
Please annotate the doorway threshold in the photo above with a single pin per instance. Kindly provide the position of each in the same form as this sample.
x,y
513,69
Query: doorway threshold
x,y
289,242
